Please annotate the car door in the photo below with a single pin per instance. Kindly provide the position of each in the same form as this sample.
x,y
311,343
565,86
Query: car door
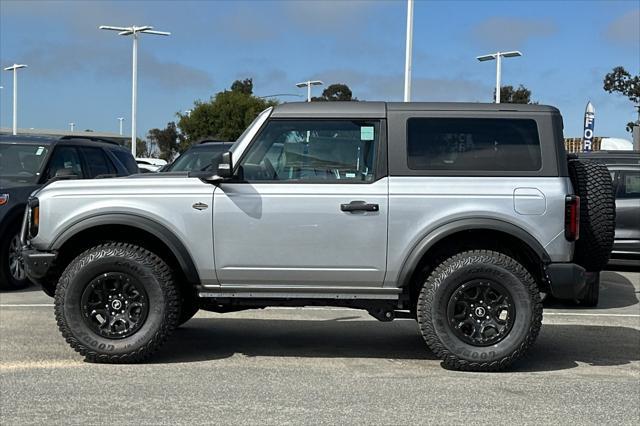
x,y
97,163
310,209
65,162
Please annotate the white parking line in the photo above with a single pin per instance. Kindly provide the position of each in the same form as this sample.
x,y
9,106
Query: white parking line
x,y
585,314
25,305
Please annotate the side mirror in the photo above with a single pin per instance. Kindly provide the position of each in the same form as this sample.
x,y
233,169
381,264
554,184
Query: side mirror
x,y
225,165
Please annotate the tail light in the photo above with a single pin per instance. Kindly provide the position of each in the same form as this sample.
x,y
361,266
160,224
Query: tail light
x,y
572,218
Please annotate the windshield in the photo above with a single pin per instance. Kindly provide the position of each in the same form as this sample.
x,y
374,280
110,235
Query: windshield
x,y
198,158
21,162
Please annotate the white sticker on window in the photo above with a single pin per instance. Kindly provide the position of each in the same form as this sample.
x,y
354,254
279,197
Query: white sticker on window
x,y
39,151
366,133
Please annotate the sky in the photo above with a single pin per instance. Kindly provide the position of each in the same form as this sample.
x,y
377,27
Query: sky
x,y
80,74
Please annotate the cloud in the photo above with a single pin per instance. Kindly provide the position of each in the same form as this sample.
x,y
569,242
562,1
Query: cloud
x,y
625,29
56,61
511,33
389,87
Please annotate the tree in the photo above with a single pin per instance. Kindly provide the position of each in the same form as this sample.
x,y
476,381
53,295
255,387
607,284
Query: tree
x,y
166,140
245,86
224,117
509,95
335,92
142,149
620,81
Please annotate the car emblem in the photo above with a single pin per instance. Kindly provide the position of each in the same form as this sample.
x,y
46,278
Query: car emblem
x,y
4,199
200,206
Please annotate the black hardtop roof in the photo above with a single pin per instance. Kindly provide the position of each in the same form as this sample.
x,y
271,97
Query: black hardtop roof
x,y
50,140
365,109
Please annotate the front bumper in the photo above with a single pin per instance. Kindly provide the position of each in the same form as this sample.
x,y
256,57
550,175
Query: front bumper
x,y
566,280
38,266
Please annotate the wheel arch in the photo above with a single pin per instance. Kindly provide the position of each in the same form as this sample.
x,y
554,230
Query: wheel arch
x,y
128,227
473,233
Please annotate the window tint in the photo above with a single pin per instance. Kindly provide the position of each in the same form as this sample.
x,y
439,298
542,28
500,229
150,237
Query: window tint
x,y
313,150
473,144
65,161
199,158
97,162
630,185
126,159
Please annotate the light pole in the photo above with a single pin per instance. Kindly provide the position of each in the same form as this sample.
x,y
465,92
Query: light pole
x,y
134,31
409,52
72,126
308,85
15,68
120,119
498,57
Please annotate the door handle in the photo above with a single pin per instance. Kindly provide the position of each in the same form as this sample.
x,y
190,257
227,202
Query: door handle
x,y
355,206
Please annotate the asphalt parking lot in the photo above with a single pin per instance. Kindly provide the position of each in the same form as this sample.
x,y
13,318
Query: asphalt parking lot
x,y
324,366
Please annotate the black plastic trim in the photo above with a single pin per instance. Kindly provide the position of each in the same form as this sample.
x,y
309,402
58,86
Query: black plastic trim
x,y
428,241
166,236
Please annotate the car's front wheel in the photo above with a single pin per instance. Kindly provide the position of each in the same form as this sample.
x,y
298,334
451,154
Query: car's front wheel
x,y
479,310
116,303
12,272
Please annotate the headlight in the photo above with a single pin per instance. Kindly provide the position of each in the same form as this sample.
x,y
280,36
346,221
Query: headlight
x,y
34,217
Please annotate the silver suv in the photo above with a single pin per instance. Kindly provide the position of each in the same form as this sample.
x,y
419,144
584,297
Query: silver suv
x,y
456,215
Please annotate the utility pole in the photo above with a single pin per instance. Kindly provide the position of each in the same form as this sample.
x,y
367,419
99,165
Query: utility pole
x,y
498,57
409,52
120,119
72,126
134,31
15,68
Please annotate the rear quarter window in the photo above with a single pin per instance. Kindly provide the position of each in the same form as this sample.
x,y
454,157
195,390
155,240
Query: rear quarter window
x,y
473,144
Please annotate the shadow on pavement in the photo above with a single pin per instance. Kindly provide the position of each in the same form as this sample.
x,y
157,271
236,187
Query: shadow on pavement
x,y
616,291
30,288
559,347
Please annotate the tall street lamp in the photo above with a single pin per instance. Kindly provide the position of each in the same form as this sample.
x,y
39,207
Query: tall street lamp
x,y
72,126
308,85
120,119
408,52
15,68
498,57
134,31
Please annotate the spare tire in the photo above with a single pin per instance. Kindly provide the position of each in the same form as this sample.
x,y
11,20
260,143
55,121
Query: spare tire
x,y
592,183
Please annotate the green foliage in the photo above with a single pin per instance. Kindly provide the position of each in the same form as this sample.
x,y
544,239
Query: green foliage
x,y
224,117
520,95
622,82
166,140
335,92
142,148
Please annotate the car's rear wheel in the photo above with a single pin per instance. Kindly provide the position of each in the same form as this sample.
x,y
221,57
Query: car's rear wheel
x,y
479,311
12,272
117,303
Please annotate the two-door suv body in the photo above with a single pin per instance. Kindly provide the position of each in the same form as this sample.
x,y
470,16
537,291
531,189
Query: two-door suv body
x,y
456,215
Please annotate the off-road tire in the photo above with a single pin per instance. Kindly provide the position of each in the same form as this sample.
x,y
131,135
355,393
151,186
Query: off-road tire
x,y
592,183
7,280
163,299
591,295
447,278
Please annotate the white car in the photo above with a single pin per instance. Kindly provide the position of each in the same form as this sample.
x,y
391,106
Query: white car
x,y
147,165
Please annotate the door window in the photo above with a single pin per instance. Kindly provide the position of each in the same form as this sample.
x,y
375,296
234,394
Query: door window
x,y
97,162
313,151
629,184
65,161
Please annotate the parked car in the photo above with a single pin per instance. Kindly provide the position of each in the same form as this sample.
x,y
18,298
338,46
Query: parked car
x,y
456,215
199,156
625,172
29,162
147,165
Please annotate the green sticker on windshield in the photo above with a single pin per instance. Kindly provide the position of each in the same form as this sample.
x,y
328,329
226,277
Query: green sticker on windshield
x,y
366,133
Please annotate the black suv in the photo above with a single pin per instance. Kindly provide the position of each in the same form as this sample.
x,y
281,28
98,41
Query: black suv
x,y
27,163
199,156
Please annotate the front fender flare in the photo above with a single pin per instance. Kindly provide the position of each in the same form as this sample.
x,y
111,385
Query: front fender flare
x,y
135,221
